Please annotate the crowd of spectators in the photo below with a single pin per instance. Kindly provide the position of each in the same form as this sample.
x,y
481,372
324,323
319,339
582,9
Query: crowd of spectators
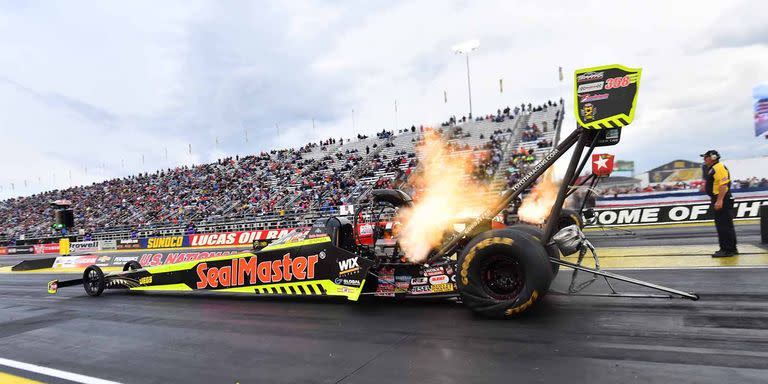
x,y
267,183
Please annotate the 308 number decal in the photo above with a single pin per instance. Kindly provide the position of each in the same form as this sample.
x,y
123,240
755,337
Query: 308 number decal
x,y
617,82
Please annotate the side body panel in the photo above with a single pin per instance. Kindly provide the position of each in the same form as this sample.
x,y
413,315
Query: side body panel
x,y
311,267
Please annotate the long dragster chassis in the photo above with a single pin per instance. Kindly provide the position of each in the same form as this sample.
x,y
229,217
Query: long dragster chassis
x,y
328,261
495,272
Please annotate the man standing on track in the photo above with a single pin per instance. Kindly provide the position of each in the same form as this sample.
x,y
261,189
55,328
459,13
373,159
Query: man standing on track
x,y
718,187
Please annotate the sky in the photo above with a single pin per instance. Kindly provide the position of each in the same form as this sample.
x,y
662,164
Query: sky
x,y
92,90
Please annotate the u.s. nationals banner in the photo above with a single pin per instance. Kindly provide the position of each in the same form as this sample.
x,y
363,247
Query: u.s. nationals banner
x,y
677,213
235,238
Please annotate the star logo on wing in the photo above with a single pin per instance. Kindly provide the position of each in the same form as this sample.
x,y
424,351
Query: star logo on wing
x,y
601,162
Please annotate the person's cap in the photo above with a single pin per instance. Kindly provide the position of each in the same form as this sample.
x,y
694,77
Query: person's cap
x,y
710,153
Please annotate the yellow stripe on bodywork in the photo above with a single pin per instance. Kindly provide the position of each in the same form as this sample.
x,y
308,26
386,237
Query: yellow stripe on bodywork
x,y
317,240
166,287
331,289
309,287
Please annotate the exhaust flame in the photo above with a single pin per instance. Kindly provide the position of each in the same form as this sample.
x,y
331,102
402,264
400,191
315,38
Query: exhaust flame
x,y
536,205
444,193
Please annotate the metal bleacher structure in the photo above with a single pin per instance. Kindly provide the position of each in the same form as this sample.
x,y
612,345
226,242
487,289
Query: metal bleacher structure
x,y
366,161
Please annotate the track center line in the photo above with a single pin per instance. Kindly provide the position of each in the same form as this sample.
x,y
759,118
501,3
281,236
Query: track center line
x,y
54,372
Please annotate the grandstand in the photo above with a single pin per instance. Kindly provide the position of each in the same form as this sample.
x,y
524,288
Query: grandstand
x,y
280,188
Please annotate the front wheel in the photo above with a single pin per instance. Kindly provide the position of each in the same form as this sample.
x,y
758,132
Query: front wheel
x,y
503,273
93,280
131,266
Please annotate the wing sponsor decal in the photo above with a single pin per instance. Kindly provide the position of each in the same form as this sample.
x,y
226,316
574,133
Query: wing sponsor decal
x,y
589,76
590,87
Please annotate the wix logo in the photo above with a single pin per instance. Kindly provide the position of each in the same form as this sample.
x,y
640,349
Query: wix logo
x,y
348,266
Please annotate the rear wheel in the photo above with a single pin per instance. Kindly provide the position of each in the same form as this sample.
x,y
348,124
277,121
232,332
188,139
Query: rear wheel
x,y
537,234
503,273
93,280
131,266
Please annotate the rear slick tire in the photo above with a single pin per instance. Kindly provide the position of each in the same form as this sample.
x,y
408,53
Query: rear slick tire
x,y
503,273
537,234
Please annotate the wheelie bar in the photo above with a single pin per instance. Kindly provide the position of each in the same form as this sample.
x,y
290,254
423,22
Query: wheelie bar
x,y
686,295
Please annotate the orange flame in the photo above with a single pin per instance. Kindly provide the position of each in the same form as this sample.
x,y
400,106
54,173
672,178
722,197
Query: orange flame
x,y
536,205
445,193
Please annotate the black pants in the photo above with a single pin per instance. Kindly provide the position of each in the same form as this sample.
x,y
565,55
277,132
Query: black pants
x,y
726,234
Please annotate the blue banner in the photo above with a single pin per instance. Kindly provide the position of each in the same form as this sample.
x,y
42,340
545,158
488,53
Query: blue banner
x,y
760,96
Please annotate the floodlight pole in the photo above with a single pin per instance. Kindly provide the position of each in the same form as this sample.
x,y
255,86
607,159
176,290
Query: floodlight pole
x,y
469,86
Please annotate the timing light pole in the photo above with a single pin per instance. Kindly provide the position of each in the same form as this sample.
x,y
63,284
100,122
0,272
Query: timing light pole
x,y
464,49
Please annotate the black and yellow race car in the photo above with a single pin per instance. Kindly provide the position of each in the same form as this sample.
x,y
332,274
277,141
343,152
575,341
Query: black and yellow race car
x,y
496,272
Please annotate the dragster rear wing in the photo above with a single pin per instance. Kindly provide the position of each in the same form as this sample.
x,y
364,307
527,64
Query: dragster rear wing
x,y
604,101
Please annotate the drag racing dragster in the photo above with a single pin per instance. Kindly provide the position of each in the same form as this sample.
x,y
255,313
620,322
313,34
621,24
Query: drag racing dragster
x,y
495,272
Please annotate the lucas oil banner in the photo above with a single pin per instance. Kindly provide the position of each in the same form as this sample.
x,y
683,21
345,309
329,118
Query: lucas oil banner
x,y
235,238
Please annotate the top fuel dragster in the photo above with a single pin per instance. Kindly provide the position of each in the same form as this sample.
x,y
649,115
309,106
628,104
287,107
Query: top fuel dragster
x,y
495,272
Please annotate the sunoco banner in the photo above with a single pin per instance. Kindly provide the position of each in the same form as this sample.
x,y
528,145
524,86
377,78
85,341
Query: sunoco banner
x,y
165,242
681,213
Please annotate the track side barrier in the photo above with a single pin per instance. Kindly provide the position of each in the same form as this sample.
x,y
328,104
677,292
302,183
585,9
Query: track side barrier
x,y
764,224
673,213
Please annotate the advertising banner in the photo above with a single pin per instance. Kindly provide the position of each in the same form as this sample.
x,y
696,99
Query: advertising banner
x,y
760,96
46,248
160,258
75,261
128,244
83,246
625,165
3,251
165,242
106,245
21,249
674,213
235,238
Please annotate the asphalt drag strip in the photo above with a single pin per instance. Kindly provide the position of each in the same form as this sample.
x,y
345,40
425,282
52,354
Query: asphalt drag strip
x,y
190,338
